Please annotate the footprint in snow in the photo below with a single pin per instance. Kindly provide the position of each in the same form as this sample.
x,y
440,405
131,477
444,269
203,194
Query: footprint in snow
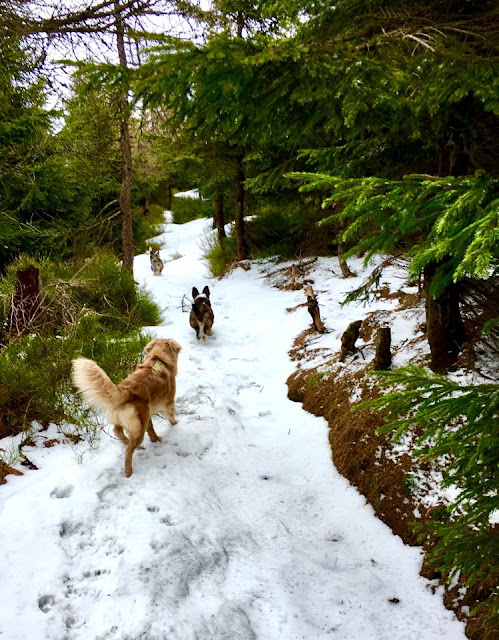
x,y
107,489
45,603
62,492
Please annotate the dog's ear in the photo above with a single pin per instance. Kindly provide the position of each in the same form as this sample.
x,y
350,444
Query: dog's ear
x,y
206,291
195,292
174,345
150,345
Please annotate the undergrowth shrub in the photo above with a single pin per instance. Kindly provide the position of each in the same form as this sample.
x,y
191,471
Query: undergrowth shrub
x,y
287,231
91,308
35,373
220,257
187,209
97,284
458,425
145,227
283,231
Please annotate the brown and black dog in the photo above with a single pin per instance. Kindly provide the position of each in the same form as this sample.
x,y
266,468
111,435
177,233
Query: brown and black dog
x,y
131,403
156,262
201,317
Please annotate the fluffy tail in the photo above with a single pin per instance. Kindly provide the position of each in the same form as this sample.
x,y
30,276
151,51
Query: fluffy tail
x,y
95,385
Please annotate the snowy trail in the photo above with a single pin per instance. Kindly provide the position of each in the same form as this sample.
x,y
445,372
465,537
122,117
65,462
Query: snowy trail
x,y
236,527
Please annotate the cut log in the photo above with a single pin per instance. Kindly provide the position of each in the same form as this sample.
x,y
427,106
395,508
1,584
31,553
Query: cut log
x,y
383,356
349,338
313,309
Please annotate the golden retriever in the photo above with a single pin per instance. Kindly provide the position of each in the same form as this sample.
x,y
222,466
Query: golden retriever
x,y
131,403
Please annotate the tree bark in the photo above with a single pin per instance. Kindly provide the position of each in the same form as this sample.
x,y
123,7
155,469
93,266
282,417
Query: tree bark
x,y
219,217
125,200
26,300
242,249
383,356
345,269
349,338
313,309
146,206
444,324
169,201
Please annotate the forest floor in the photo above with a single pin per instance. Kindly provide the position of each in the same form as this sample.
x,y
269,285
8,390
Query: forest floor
x,y
237,525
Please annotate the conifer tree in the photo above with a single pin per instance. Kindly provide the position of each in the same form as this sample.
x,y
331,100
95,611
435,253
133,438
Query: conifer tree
x,y
448,226
456,426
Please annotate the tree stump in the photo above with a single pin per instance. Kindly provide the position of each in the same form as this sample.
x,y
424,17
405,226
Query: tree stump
x,y
349,338
313,309
383,356
26,300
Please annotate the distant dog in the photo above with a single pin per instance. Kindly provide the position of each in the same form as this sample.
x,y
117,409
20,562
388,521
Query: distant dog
x,y
156,262
201,317
131,403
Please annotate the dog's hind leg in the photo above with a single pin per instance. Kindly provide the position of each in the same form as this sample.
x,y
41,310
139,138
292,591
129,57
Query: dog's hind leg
x,y
118,432
132,445
153,436
138,419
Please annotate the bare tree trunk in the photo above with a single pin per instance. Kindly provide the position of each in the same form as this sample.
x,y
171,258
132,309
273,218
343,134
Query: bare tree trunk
x,y
26,300
219,217
349,338
169,200
345,269
240,24
146,206
313,309
125,199
444,325
383,356
242,249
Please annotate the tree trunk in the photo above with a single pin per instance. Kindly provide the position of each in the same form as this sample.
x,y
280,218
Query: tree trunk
x,y
169,201
219,217
345,269
242,249
313,309
26,300
444,325
349,338
146,207
383,356
125,199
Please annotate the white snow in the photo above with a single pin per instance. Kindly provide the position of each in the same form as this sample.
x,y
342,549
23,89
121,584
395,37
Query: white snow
x,y
192,193
237,526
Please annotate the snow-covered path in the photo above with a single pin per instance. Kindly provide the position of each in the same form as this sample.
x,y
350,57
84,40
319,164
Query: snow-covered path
x,y
236,527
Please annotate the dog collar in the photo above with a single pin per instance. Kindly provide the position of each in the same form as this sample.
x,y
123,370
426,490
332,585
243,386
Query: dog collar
x,y
157,365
